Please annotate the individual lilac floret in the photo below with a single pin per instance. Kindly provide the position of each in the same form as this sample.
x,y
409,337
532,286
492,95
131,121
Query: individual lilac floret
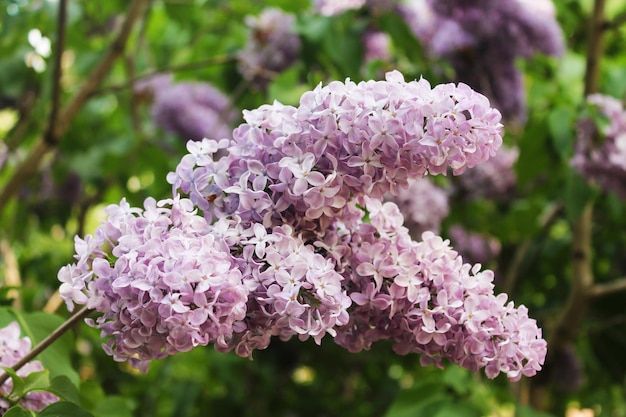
x,y
272,46
495,179
301,165
166,286
422,297
424,206
601,151
475,248
333,7
192,110
12,349
482,40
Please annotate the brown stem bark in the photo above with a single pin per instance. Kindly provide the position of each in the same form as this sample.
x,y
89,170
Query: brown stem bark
x,y
60,125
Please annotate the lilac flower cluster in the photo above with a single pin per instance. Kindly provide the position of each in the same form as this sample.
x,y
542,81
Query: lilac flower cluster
x,y
272,46
425,205
421,296
603,160
295,241
192,110
495,179
12,349
474,247
166,286
333,7
483,38
301,166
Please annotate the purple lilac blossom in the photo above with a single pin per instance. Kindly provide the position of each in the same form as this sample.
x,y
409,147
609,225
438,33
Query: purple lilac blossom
x,y
377,46
12,349
333,7
424,206
603,160
272,46
192,110
482,40
426,300
282,213
495,179
166,286
475,248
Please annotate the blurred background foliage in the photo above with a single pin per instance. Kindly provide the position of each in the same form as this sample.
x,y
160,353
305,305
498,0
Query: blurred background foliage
x,y
114,149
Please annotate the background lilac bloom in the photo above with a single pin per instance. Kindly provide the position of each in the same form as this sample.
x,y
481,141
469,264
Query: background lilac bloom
x,y
482,40
475,248
272,46
495,179
192,110
12,349
333,7
601,151
424,206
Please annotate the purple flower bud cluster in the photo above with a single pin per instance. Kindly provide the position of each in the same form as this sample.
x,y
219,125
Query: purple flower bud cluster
x,y
272,46
483,38
295,241
475,248
424,206
601,152
12,349
192,110
495,179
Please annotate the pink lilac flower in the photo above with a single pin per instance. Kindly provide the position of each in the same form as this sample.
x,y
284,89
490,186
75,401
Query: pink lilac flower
x,y
601,151
294,239
272,46
333,7
482,39
192,110
475,248
166,286
12,349
426,300
424,206
302,165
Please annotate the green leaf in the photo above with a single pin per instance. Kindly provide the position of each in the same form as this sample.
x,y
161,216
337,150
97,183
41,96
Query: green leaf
x,y
37,381
114,406
561,125
458,410
18,382
62,387
578,193
17,411
56,357
64,409
286,87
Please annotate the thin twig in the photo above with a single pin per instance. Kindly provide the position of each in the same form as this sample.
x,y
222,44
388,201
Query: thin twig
x,y
217,60
600,290
42,147
51,338
617,21
57,73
